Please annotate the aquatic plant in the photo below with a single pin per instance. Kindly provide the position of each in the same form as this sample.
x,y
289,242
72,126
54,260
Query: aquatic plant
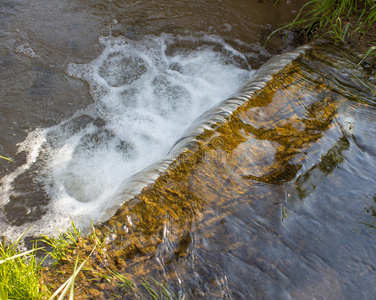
x,y
164,291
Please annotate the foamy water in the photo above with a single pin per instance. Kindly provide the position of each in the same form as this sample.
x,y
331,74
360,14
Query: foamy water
x,y
146,94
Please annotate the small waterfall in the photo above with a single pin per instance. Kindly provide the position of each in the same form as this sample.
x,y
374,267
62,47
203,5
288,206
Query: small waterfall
x,y
268,195
214,116
145,93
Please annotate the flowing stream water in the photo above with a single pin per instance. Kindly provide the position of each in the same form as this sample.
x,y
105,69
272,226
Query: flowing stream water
x,y
94,91
273,200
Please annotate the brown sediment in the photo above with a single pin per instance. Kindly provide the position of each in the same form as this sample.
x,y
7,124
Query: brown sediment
x,y
242,162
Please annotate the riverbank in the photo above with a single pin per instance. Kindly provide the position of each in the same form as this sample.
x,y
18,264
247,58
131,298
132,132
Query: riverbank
x,y
346,22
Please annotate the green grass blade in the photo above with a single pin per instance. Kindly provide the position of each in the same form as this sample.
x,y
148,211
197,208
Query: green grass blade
x,y
70,282
19,255
370,50
3,295
6,158
62,287
365,85
125,282
149,289
71,294
164,290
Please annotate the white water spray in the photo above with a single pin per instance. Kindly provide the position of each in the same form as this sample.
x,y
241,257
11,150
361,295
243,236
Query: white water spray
x,y
146,95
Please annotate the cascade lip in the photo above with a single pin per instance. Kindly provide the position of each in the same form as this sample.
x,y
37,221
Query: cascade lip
x,y
133,185
282,177
80,162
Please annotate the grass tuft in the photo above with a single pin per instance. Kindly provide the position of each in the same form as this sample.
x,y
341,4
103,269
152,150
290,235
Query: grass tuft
x,y
335,18
63,243
338,20
19,272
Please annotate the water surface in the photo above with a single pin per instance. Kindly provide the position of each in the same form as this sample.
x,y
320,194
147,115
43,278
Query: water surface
x,y
278,202
93,91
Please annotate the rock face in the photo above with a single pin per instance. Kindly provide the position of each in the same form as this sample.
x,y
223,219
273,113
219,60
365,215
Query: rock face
x,y
269,196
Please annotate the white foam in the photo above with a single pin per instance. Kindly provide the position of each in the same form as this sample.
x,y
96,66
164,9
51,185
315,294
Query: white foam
x,y
146,95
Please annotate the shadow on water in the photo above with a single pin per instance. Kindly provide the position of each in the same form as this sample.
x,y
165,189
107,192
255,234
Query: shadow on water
x,y
278,202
